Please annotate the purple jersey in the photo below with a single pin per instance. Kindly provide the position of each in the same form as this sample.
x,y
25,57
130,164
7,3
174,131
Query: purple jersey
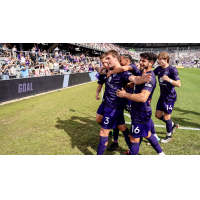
x,y
113,83
136,71
141,112
101,80
167,90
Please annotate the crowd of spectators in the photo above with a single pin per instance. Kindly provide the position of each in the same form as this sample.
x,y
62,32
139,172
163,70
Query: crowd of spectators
x,y
18,64
35,63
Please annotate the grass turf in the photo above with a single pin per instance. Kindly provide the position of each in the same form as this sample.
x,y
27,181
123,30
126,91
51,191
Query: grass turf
x,y
63,123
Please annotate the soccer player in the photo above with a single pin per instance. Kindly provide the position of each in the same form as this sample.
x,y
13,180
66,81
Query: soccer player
x,y
141,107
101,80
125,61
168,78
114,106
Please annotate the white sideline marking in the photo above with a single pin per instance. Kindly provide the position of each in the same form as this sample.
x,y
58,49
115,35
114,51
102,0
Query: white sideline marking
x,y
187,128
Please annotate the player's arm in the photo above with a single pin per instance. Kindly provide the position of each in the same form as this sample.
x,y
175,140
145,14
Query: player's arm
x,y
176,83
102,71
119,70
99,87
140,97
138,80
130,85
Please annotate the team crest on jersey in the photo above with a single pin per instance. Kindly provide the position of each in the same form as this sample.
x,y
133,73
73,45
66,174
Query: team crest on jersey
x,y
109,79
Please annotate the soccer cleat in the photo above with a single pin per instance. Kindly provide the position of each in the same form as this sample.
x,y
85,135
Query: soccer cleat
x,y
158,139
166,139
161,154
174,128
113,146
125,153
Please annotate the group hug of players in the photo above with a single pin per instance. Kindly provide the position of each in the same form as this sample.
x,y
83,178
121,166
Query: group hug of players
x,y
130,88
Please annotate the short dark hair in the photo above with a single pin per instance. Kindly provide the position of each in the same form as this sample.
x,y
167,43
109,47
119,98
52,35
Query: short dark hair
x,y
152,57
127,56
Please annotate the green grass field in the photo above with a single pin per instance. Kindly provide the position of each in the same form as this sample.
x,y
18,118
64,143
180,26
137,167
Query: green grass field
x,y
63,123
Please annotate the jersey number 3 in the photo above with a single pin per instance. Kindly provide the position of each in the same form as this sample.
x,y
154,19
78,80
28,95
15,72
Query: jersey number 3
x,y
107,120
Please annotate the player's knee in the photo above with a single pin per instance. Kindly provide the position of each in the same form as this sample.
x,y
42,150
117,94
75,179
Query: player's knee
x,y
122,127
98,119
166,117
158,116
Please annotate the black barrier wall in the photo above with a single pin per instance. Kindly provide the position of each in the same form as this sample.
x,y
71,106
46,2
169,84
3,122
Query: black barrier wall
x,y
18,88
79,78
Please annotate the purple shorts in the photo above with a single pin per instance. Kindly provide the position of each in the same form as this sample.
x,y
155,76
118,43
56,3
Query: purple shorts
x,y
100,110
140,130
128,105
112,117
167,107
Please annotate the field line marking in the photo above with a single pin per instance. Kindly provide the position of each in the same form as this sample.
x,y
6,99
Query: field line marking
x,y
162,126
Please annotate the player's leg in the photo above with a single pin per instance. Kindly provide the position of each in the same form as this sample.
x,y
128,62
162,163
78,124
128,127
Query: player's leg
x,y
154,143
153,131
137,132
168,107
123,128
99,118
103,141
100,113
115,144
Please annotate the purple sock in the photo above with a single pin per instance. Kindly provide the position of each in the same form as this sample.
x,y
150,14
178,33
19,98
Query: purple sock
x,y
127,139
154,143
102,147
115,134
162,119
152,127
134,149
169,125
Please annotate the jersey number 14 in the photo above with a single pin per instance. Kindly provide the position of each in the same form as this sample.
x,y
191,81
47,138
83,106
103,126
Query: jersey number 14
x,y
169,107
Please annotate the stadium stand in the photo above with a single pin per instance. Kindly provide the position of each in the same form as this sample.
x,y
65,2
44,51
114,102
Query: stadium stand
x,y
41,62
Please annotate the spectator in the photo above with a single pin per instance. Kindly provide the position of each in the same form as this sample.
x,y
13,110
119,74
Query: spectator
x,y
5,72
24,70
42,70
19,56
47,70
7,60
22,59
51,67
33,57
44,56
14,50
12,70
18,71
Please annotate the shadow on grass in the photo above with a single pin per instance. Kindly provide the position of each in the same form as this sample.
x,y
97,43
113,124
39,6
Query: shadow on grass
x,y
84,134
183,122
185,112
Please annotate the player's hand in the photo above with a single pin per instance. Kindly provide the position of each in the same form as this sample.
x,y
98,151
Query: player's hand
x,y
101,69
121,93
109,73
166,78
97,96
146,77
